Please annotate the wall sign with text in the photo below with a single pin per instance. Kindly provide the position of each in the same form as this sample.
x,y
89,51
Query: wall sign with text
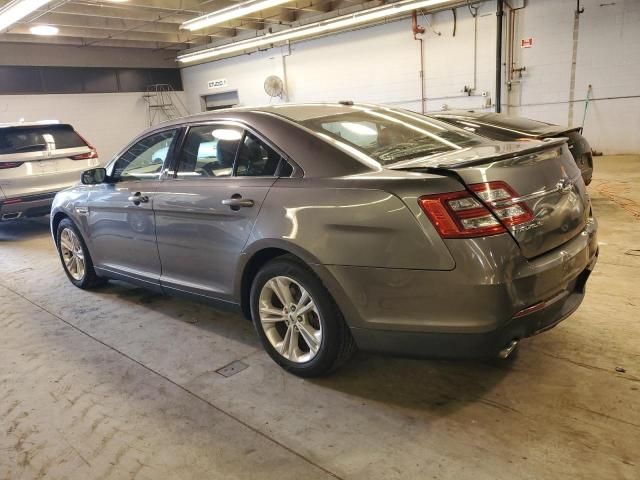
x,y
219,83
526,42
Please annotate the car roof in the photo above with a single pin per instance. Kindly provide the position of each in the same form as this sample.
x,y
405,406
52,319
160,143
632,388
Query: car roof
x,y
274,123
296,112
29,124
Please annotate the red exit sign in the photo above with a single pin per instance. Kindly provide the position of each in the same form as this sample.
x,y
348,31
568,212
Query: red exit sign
x,y
526,43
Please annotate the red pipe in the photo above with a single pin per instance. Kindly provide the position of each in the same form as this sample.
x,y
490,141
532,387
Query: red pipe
x,y
415,28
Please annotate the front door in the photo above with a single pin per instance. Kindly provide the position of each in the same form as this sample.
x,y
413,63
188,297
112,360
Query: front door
x,y
205,211
120,214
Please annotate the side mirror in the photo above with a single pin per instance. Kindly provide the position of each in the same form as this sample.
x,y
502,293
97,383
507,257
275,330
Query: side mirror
x,y
93,176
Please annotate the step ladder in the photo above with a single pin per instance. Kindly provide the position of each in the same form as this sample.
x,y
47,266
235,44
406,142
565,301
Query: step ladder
x,y
163,103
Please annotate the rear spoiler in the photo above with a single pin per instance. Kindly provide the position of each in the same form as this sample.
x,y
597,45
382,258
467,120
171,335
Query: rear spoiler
x,y
557,131
450,162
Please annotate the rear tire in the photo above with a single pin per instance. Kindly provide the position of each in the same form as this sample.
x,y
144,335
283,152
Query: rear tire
x,y
297,320
75,257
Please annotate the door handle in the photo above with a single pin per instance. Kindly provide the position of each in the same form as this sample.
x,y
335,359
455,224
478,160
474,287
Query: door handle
x,y
137,198
236,202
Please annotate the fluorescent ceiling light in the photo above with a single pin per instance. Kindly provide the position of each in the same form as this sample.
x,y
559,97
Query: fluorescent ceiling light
x,y
226,134
316,28
44,30
359,128
16,10
229,13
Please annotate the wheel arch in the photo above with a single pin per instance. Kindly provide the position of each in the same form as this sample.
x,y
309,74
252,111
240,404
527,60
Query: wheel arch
x,y
264,251
55,222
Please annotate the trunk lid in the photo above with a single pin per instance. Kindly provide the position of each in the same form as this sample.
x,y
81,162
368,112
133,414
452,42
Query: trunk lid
x,y
543,175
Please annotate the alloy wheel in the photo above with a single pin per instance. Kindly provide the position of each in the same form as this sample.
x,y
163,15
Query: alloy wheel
x,y
72,254
290,319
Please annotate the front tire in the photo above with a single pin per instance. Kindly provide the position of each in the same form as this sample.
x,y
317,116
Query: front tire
x,y
297,320
75,257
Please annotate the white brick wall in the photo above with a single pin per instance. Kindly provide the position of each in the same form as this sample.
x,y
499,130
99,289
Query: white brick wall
x,y
381,64
107,120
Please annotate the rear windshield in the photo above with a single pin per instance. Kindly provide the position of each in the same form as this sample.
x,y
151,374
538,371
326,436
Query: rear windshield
x,y
38,138
389,136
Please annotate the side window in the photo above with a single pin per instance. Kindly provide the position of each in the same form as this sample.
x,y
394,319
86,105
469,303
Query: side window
x,y
286,170
144,160
209,151
361,133
256,159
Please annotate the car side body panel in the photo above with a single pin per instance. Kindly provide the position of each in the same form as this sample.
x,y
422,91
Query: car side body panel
x,y
359,227
342,226
200,239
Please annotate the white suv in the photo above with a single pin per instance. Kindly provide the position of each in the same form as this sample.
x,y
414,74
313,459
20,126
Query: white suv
x,y
37,160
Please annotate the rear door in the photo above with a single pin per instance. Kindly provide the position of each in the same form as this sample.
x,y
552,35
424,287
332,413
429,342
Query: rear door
x,y
206,209
120,213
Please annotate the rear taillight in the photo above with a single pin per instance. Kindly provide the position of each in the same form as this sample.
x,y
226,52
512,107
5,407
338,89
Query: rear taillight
x,y
502,200
459,215
4,165
86,156
463,215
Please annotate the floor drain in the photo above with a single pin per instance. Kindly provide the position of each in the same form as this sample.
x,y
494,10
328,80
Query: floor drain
x,y
233,368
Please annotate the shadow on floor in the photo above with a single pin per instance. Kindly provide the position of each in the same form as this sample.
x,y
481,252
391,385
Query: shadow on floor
x,y
226,323
17,230
432,386
437,386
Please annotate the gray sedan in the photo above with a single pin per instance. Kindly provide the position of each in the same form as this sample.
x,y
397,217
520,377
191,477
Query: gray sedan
x,y
336,226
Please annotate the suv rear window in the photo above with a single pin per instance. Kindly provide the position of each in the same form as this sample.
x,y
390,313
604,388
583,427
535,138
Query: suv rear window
x,y
38,138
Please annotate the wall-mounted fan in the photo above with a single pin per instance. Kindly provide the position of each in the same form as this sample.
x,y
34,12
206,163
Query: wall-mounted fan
x,y
273,86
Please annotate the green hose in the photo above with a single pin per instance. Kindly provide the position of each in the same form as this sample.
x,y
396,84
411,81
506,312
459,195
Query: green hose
x,y
586,106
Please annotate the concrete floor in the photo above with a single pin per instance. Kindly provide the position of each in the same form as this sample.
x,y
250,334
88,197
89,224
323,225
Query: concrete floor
x,y
122,383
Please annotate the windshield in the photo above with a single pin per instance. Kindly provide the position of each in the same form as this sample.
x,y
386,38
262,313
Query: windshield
x,y
389,136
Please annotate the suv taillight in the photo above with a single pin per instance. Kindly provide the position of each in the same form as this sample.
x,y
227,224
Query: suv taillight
x,y
86,156
463,215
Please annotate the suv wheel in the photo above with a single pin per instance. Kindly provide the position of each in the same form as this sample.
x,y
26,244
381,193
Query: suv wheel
x,y
75,257
298,321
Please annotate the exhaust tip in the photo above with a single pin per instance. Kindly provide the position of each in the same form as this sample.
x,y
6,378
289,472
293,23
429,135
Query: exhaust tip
x,y
508,350
11,216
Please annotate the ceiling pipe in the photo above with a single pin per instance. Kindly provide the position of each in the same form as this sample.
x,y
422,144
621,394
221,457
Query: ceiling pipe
x,y
419,30
498,99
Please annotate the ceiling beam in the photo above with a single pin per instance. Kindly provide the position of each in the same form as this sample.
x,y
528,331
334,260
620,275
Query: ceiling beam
x,y
96,35
116,12
81,42
105,23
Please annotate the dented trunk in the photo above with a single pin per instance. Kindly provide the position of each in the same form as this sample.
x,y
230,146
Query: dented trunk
x,y
543,181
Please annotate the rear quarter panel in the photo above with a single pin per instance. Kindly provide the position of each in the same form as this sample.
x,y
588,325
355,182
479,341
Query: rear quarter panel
x,y
348,226
368,220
